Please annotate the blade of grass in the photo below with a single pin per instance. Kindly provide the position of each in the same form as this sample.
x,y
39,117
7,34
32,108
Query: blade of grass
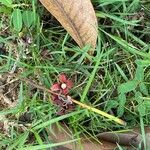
x,y
128,47
133,23
108,2
38,138
9,111
46,146
49,122
92,75
121,72
117,120
22,138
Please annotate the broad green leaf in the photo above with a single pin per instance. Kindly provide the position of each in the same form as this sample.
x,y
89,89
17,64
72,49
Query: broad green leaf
x,y
28,18
146,103
17,20
7,3
138,96
128,86
145,62
139,75
122,101
143,88
142,109
111,104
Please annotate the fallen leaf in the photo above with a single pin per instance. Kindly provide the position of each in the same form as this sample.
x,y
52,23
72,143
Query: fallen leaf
x,y
77,17
107,140
63,133
127,139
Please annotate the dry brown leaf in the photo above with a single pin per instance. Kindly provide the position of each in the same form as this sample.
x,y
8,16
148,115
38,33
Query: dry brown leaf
x,y
64,134
108,140
77,17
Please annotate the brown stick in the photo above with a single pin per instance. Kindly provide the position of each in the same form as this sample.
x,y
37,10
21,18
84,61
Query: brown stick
x,y
39,86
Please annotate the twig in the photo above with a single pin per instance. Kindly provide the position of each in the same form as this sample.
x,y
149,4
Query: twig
x,y
119,121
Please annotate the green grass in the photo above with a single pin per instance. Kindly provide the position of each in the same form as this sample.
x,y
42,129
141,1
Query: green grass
x,y
116,80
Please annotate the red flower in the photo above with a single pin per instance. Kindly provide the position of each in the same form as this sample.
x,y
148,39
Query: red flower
x,y
64,104
62,100
66,109
63,86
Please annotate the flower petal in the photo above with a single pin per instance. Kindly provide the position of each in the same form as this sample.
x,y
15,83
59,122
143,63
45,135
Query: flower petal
x,y
56,100
55,87
65,91
70,107
62,78
69,84
61,112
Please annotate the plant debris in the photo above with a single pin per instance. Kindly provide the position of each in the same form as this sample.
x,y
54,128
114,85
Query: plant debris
x,y
9,88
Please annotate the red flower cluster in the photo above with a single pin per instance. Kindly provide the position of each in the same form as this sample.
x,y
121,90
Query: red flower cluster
x,y
62,99
63,86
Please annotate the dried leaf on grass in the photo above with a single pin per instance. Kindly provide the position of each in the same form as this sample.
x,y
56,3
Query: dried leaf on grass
x,y
5,101
77,17
6,125
9,87
128,139
63,133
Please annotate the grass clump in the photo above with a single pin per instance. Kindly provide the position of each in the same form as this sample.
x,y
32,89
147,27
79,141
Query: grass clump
x,y
116,80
